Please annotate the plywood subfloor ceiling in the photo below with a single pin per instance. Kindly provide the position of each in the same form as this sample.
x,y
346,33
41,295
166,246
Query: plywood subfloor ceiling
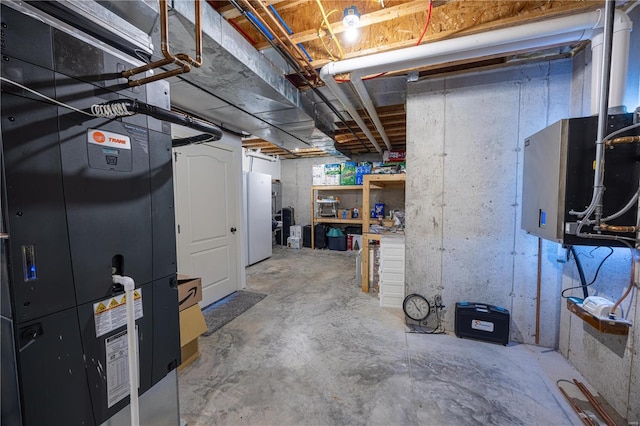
x,y
389,25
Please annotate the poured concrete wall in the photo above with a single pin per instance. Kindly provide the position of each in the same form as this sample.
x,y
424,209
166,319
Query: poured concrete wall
x,y
610,363
296,188
464,142
296,185
464,148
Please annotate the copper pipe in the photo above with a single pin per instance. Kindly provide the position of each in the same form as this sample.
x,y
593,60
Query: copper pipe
x,y
182,60
632,278
538,290
311,70
623,139
594,403
618,228
282,44
585,419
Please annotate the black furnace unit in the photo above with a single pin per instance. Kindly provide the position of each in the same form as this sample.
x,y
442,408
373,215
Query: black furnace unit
x,y
82,198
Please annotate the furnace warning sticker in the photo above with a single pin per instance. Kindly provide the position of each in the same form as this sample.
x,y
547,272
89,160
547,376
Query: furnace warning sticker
x,y
117,353
482,325
111,140
111,313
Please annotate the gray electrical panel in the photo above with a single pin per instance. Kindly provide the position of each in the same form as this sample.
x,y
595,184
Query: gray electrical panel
x,y
82,198
558,177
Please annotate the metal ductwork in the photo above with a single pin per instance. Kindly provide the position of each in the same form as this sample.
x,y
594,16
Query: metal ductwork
x,y
241,88
236,86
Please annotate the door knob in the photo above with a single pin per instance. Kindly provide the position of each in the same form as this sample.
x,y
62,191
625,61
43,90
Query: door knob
x,y
233,230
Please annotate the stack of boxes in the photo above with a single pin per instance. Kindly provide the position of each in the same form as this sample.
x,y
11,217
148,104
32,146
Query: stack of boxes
x,y
294,241
352,173
192,323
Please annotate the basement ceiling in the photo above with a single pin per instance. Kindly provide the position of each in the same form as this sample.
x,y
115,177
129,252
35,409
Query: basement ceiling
x,y
384,25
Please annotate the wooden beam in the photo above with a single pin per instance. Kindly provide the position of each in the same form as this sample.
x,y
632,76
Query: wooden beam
x,y
564,10
372,18
230,12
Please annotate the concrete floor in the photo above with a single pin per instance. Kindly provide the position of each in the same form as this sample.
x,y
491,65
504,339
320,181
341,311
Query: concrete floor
x,y
317,351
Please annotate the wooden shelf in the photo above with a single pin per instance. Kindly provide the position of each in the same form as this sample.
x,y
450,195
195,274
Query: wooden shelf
x,y
602,325
335,187
337,220
373,182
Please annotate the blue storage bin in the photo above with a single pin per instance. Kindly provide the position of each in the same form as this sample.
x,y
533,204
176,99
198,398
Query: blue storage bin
x,y
338,243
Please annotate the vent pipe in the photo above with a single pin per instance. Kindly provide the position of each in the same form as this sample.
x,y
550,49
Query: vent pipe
x,y
535,35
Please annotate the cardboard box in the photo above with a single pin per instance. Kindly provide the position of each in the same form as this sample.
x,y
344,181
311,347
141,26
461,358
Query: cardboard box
x,y
344,213
332,174
362,169
394,156
318,175
294,243
192,325
189,291
295,231
348,173
356,243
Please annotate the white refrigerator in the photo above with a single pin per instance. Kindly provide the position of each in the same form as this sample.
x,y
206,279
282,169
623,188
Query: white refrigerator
x,y
257,190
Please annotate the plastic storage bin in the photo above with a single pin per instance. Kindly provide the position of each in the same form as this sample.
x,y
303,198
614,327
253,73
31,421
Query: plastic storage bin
x,y
338,243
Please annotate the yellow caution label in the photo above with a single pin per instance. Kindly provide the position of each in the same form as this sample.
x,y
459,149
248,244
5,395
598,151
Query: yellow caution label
x,y
594,164
136,295
100,308
113,303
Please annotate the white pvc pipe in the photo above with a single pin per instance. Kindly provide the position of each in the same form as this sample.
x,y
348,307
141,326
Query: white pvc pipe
x,y
358,85
412,57
129,287
528,36
346,103
622,27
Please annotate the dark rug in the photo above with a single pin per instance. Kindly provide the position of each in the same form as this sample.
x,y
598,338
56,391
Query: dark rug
x,y
226,310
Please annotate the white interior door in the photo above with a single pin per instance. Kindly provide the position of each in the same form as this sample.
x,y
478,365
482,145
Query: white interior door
x,y
207,218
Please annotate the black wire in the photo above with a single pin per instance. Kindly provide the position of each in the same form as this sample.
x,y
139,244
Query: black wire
x,y
595,277
583,280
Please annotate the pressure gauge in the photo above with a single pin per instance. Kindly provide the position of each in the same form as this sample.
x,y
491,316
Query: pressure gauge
x,y
416,307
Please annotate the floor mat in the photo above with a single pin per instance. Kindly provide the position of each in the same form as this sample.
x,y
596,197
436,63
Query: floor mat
x,y
226,310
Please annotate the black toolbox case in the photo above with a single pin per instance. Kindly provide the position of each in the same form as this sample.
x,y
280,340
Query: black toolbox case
x,y
483,322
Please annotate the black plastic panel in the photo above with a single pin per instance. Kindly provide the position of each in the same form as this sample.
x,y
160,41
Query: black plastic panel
x,y
52,374
109,211
35,200
94,349
622,173
25,38
163,212
166,328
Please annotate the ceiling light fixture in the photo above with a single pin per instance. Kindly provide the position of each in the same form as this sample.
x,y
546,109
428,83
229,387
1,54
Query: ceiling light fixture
x,y
351,20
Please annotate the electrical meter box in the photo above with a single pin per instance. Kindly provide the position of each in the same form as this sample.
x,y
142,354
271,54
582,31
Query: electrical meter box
x,y
558,176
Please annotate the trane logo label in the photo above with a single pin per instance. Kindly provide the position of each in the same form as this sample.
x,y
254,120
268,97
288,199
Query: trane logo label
x,y
113,140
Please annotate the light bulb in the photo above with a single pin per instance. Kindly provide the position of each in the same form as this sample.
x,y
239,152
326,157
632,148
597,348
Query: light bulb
x,y
351,34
